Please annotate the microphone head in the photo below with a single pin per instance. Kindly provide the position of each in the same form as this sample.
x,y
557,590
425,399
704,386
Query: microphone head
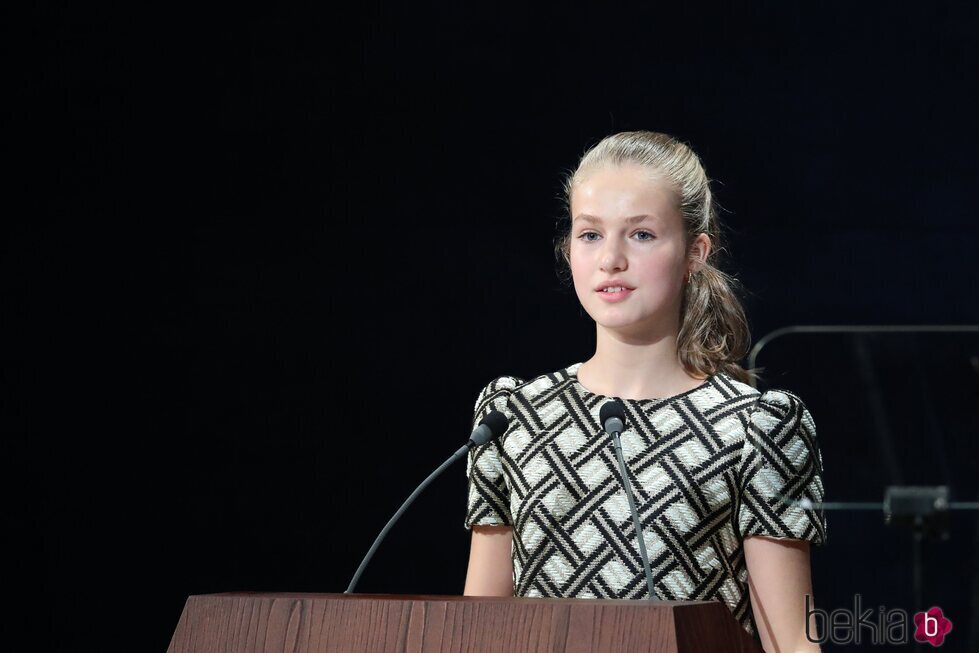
x,y
490,427
610,411
497,423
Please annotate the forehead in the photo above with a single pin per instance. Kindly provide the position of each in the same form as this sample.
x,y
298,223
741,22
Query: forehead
x,y
616,192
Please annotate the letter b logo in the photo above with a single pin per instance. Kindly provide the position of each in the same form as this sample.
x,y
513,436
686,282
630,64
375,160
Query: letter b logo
x,y
932,626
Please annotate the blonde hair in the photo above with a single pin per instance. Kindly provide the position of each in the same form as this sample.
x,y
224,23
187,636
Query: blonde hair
x,y
714,333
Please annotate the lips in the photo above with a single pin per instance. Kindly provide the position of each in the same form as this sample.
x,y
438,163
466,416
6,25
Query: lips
x,y
612,283
616,296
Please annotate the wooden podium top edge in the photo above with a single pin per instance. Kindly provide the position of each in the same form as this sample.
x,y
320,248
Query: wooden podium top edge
x,y
448,597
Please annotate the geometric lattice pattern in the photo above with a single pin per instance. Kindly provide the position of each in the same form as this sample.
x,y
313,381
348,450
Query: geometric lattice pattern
x,y
708,468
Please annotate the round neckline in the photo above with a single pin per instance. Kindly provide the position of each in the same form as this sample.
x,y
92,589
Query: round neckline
x,y
572,371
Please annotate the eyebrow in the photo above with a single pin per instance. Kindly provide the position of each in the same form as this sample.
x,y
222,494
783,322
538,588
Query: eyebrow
x,y
595,220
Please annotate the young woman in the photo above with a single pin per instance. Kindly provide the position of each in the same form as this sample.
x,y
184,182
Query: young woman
x,y
718,469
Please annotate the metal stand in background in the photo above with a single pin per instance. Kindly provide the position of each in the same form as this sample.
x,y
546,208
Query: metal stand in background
x,y
925,511
861,329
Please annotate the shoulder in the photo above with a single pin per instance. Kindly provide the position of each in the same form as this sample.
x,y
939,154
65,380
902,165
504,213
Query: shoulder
x,y
730,388
526,390
736,397
777,402
501,384
781,404
781,416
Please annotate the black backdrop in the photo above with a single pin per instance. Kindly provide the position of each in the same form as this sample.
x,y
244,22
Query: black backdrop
x,y
258,264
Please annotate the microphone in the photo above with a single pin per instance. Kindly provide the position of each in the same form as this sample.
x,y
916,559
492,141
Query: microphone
x,y
612,417
490,427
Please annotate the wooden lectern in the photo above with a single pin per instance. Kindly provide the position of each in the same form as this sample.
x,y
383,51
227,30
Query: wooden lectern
x,y
390,623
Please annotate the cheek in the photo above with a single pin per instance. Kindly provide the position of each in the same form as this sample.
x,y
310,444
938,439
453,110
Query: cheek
x,y
580,272
661,272
575,261
655,267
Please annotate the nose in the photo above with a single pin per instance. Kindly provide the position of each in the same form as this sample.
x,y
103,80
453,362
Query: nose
x,y
613,257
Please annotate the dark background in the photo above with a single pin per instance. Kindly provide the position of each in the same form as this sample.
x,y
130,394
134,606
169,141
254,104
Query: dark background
x,y
257,266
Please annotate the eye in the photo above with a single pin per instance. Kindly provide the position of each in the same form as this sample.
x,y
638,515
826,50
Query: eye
x,y
585,236
645,233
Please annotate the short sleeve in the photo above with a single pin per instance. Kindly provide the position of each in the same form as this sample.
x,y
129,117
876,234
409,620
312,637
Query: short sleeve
x,y
780,472
489,495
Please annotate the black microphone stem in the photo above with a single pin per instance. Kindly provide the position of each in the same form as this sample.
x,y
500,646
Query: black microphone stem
x,y
404,506
635,516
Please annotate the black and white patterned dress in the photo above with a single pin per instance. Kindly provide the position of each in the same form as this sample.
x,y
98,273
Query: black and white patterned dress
x,y
708,468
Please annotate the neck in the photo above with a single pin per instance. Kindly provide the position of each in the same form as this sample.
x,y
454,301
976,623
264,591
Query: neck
x,y
634,368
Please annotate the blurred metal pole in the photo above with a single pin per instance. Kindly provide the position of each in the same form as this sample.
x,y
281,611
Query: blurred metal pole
x,y
881,328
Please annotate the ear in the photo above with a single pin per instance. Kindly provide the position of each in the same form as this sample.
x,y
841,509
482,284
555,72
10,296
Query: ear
x,y
699,251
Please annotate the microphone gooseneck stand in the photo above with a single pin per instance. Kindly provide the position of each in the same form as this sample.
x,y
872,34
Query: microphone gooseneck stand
x,y
490,428
612,416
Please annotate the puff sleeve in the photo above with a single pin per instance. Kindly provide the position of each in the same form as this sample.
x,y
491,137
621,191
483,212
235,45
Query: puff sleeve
x,y
780,468
489,494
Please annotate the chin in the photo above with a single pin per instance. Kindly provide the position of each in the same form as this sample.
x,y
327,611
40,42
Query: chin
x,y
627,324
623,325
